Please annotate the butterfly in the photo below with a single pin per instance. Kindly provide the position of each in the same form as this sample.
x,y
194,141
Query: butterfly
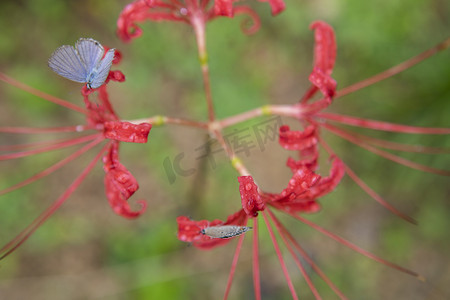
x,y
83,63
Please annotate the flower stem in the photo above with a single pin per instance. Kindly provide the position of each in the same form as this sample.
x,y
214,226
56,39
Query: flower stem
x,y
161,120
198,23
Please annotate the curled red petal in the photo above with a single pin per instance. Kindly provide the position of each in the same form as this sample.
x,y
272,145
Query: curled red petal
x,y
127,132
305,187
276,5
296,205
117,57
305,142
296,197
299,185
116,76
324,82
329,183
120,185
297,140
325,46
191,231
250,197
223,8
252,22
308,159
133,12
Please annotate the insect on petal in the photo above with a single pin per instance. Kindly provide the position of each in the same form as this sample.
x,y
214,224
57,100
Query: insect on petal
x,y
224,232
83,63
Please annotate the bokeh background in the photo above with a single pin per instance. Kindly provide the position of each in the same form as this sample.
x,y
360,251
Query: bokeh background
x,y
85,251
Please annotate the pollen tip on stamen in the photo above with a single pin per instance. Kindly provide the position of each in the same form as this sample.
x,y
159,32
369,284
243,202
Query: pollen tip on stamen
x,y
421,278
266,111
159,120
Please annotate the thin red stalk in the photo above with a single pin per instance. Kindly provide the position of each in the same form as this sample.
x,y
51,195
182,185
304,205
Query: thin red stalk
x,y
294,256
34,130
255,259
218,135
242,117
383,126
310,260
280,257
294,111
399,146
208,94
177,121
354,247
54,167
382,153
30,229
367,189
160,120
198,23
29,145
394,70
42,95
233,266
63,144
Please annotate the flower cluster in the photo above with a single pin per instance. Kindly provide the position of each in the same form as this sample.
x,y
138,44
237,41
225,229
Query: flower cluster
x,y
101,118
191,12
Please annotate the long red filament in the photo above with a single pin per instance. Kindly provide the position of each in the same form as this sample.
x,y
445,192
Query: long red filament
x,y
305,255
383,126
280,257
42,95
382,153
354,247
255,260
60,145
367,189
294,256
233,266
54,167
30,229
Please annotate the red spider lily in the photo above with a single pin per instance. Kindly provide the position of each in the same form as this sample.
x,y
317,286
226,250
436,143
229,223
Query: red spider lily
x,y
193,12
306,186
310,112
120,185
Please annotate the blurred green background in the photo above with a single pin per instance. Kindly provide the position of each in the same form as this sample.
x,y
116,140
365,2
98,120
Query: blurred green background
x,y
85,251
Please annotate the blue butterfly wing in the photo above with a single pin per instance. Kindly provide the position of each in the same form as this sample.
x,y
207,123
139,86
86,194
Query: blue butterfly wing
x,y
90,52
103,69
66,63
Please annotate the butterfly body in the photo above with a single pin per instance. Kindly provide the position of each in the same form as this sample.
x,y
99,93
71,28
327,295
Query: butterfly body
x,y
83,63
